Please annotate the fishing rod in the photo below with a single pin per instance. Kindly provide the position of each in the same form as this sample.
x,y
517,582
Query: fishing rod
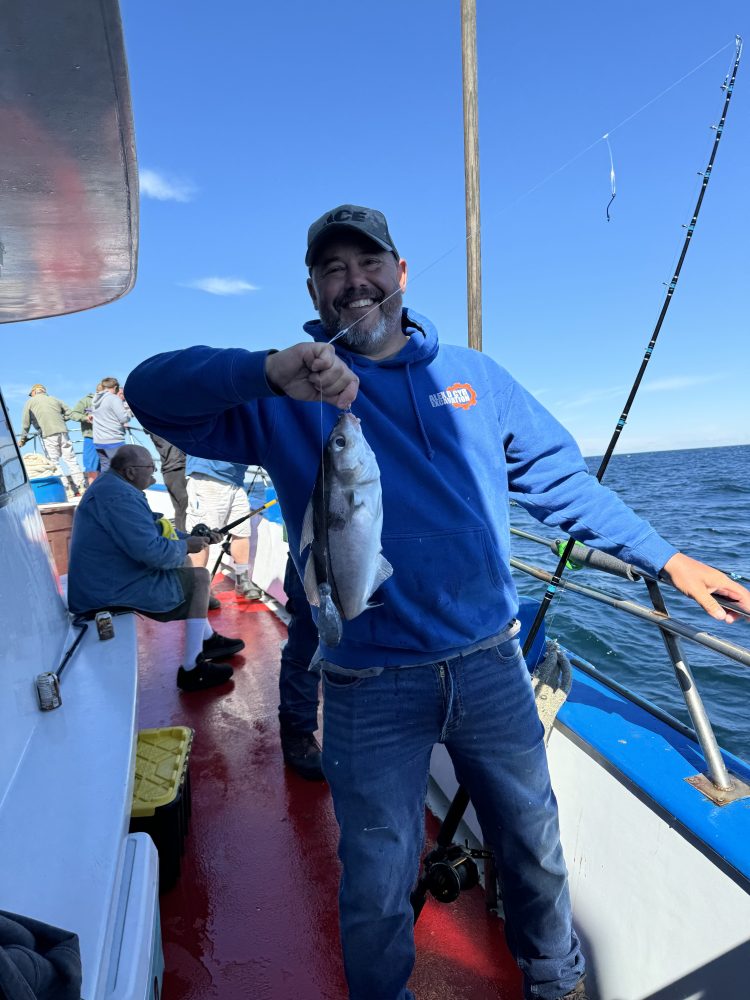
x,y
203,531
706,174
435,863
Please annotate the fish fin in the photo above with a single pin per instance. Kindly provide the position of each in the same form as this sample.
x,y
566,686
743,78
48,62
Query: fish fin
x,y
384,571
310,581
308,528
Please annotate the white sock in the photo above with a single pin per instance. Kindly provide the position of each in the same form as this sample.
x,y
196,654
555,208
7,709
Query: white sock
x,y
241,569
207,630
195,630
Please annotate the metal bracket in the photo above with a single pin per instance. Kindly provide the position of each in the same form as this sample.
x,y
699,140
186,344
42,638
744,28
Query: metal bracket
x,y
720,796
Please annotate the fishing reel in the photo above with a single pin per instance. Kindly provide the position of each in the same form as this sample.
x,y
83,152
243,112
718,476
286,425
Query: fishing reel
x,y
449,871
201,531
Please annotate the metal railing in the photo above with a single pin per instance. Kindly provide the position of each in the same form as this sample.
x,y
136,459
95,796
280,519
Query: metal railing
x,y
671,631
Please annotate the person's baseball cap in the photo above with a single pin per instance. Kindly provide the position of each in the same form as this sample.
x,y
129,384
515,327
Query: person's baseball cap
x,y
367,221
34,388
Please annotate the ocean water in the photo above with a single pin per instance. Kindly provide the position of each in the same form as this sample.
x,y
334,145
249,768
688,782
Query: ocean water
x,y
700,501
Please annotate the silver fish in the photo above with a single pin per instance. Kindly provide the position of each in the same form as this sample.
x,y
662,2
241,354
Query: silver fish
x,y
342,526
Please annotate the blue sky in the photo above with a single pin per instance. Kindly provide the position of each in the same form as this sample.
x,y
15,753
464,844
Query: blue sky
x,y
254,119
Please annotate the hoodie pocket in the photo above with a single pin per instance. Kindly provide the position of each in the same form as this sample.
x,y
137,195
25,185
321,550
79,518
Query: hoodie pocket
x,y
448,590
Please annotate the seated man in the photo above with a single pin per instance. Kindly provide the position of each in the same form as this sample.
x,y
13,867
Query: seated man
x,y
119,558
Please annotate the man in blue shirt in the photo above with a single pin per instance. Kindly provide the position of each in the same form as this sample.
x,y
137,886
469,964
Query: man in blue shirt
x,y
216,496
121,558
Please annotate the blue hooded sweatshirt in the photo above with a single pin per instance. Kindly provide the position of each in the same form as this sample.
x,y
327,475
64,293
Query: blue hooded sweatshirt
x,y
453,434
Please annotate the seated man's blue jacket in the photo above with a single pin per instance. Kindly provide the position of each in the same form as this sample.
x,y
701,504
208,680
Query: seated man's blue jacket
x,y
118,557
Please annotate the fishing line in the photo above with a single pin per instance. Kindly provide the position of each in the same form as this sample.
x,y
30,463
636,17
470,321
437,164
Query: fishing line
x,y
706,175
461,799
323,476
727,86
678,258
554,173
681,80
630,117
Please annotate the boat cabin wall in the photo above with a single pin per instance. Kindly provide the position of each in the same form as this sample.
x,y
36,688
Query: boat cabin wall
x,y
33,617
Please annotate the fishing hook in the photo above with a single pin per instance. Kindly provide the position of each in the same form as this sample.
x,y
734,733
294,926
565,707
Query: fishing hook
x,y
611,174
461,799
706,175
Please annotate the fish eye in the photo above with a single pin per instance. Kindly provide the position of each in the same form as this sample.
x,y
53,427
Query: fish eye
x,y
340,441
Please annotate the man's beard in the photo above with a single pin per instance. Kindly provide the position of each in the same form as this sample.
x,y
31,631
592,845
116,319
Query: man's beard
x,y
360,340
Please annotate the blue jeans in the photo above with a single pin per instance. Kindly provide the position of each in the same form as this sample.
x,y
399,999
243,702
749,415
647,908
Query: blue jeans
x,y
298,686
379,734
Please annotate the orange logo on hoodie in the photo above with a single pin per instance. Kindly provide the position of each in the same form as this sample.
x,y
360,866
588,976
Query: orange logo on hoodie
x,y
463,395
460,395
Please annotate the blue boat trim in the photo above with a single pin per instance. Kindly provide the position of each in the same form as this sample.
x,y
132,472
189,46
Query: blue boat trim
x,y
655,759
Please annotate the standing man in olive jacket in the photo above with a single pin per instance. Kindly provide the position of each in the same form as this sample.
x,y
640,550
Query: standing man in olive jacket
x,y
49,416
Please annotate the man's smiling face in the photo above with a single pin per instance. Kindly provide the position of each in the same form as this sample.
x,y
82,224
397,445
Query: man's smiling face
x,y
355,284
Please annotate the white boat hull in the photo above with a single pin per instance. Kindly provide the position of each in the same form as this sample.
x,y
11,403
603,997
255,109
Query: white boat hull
x,y
659,916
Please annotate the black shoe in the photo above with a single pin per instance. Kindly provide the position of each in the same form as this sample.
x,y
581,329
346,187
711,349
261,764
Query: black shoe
x,y
219,647
203,675
213,603
302,753
579,993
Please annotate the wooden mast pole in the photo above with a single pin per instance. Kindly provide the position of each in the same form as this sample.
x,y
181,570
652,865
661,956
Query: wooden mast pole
x,y
471,170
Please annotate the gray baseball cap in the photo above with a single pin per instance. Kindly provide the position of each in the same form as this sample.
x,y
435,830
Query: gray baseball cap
x,y
367,221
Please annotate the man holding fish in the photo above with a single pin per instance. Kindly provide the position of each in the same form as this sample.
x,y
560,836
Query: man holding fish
x,y
404,549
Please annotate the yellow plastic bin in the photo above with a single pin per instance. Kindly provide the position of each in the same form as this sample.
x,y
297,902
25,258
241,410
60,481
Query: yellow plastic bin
x,y
161,795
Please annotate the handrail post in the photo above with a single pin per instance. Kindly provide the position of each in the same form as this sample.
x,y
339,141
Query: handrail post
x,y
717,771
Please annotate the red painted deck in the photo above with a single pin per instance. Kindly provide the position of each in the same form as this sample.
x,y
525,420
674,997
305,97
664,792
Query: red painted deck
x,y
253,915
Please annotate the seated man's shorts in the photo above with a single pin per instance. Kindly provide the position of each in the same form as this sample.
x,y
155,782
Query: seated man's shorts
x,y
216,503
91,461
186,576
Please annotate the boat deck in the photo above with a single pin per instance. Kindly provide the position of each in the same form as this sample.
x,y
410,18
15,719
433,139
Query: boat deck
x,y
254,911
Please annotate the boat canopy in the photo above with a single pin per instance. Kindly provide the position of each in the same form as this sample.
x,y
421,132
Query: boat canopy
x,y
68,176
